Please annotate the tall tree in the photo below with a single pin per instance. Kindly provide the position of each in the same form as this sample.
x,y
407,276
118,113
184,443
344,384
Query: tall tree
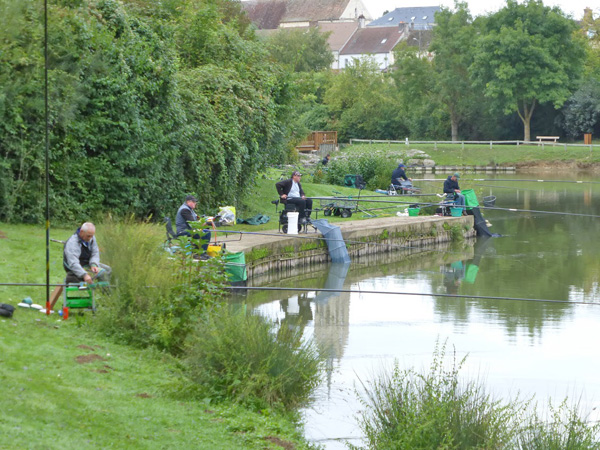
x,y
301,50
527,54
452,42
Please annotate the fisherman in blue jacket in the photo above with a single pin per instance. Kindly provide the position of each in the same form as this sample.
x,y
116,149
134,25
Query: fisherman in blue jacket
x,y
185,215
452,188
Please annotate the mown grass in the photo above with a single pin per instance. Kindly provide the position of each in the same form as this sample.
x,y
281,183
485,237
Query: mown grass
x,y
67,385
481,154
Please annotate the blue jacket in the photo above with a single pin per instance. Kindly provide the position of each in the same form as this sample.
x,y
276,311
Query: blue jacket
x,y
450,185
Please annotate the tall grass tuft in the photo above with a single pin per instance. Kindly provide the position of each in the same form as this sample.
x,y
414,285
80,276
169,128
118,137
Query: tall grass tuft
x,y
438,410
564,428
433,410
242,357
156,300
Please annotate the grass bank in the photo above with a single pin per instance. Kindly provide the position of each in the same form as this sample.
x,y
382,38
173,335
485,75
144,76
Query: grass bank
x,y
482,154
66,385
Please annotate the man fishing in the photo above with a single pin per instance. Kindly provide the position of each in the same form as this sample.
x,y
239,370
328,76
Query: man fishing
x,y
398,175
452,188
290,191
81,256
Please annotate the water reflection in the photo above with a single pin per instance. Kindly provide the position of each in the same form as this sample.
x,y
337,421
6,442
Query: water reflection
x,y
529,346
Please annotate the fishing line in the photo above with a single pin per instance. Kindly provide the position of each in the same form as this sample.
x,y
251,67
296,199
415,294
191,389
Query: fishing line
x,y
511,180
482,207
361,291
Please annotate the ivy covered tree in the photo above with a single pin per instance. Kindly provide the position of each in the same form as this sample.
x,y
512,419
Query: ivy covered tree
x,y
527,54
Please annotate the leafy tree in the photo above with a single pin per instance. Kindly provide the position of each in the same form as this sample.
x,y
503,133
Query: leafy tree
x,y
527,54
301,50
361,102
452,42
582,110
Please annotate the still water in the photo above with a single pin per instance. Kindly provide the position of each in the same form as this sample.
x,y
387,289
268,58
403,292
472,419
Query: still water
x,y
515,346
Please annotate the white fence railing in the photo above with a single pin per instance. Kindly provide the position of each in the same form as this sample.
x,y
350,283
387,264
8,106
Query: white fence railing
x,y
463,143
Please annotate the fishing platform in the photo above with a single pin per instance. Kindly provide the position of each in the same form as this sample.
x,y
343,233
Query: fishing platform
x,y
271,251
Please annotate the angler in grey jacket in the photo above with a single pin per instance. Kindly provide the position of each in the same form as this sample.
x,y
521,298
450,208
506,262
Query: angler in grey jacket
x,y
81,253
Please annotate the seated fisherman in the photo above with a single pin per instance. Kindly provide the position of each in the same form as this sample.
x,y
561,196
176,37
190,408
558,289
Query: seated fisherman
x,y
290,191
81,255
452,188
398,175
326,159
185,215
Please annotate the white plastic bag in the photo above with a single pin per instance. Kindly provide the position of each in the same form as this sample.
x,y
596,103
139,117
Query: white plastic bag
x,y
226,215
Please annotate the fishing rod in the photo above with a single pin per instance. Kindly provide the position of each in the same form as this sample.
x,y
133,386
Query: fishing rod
x,y
361,291
504,187
537,181
483,207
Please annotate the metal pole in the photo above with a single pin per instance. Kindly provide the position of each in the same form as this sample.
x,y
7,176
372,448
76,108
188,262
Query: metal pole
x,y
47,157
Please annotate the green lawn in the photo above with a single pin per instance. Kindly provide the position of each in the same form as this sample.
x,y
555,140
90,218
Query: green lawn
x,y
481,154
66,386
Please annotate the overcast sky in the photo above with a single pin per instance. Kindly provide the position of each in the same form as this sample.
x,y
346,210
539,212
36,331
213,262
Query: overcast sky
x,y
479,7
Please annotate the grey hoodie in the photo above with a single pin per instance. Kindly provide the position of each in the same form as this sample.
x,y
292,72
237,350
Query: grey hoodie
x,y
75,249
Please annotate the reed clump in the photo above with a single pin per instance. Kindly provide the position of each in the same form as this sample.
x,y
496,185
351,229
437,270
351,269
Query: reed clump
x,y
240,356
436,409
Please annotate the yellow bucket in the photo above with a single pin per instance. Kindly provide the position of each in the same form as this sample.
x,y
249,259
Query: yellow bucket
x,y
213,250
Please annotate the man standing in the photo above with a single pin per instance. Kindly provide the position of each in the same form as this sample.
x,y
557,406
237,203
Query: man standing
x,y
186,214
81,253
452,188
290,191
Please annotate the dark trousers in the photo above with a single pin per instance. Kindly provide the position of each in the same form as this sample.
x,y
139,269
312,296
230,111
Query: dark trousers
x,y
205,237
301,205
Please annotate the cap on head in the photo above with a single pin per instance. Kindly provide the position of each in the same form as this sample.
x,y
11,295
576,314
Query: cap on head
x,y
191,198
401,165
295,172
457,175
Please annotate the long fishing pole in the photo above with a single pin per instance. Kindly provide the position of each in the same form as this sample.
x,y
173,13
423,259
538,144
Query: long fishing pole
x,y
361,291
47,157
481,207
537,181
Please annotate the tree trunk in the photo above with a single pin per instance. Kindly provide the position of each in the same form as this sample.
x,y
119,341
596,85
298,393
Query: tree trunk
x,y
454,125
526,119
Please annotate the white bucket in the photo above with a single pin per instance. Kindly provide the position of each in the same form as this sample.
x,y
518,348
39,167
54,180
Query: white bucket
x,y
292,222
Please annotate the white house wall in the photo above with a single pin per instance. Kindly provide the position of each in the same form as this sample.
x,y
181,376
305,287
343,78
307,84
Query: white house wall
x,y
354,9
383,60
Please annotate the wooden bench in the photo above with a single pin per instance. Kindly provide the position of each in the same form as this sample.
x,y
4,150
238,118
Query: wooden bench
x,y
542,139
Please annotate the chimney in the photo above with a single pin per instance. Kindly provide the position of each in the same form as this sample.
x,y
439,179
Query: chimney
x,y
361,21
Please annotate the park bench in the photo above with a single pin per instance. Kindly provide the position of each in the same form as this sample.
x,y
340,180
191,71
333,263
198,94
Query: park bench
x,y
542,139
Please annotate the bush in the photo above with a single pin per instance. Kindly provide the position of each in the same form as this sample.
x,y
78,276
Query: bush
x,y
433,410
239,356
156,300
436,410
375,170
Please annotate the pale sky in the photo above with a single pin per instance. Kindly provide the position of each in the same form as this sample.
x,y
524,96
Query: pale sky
x,y
478,7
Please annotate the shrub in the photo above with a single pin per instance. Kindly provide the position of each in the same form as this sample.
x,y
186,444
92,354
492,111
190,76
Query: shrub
x,y
407,410
241,357
156,300
375,170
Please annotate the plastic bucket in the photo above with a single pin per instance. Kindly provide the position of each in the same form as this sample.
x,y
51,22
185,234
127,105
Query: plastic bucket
x,y
456,212
292,222
413,212
213,250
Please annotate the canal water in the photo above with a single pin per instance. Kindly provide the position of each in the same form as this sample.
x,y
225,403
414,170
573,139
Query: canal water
x,y
537,347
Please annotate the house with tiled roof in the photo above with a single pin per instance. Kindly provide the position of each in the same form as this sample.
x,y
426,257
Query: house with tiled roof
x,y
419,17
273,14
373,42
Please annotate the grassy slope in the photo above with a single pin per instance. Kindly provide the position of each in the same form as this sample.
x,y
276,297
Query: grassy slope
x,y
480,155
113,396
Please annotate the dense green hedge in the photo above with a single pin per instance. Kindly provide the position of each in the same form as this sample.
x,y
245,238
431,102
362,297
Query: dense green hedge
x,y
148,101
